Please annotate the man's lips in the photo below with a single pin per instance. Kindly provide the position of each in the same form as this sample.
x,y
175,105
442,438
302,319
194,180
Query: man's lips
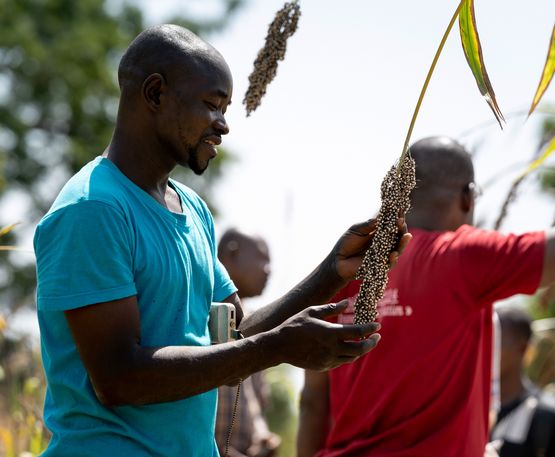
x,y
213,140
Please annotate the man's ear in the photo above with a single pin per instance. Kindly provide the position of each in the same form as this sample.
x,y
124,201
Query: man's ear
x,y
153,88
233,248
467,200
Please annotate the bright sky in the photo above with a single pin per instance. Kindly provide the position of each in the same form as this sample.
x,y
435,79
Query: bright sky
x,y
311,158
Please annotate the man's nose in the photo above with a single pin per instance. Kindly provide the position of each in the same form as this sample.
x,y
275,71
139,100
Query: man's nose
x,y
221,125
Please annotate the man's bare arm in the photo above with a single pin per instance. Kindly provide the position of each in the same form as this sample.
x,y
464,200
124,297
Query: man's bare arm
x,y
123,371
314,414
337,269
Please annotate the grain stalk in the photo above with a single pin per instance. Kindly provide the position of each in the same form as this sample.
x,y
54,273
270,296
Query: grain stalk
x,y
395,192
536,162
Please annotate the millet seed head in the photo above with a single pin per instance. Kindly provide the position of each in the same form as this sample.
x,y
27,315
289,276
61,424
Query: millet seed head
x,y
395,192
265,66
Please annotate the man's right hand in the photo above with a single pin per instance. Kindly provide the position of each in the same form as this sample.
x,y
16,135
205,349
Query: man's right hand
x,y
308,341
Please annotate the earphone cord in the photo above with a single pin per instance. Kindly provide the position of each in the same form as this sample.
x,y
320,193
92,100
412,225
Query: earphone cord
x,y
239,336
233,416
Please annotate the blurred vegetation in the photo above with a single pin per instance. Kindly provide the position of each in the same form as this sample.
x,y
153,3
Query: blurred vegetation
x,y
541,357
281,413
58,104
545,134
22,385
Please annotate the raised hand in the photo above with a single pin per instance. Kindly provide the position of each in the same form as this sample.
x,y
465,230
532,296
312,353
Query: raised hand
x,y
348,252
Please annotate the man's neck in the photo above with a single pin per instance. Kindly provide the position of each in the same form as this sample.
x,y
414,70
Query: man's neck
x,y
137,158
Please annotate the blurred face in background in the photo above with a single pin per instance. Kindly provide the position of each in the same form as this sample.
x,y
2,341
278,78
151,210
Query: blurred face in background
x,y
249,266
513,348
254,263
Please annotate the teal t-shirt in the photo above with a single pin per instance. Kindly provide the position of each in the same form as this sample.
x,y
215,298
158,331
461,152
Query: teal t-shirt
x,y
104,239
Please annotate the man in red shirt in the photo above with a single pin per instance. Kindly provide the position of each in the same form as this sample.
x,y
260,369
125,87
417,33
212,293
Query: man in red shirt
x,y
425,391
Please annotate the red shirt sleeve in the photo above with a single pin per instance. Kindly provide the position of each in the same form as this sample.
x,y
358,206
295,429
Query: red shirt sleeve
x,y
496,266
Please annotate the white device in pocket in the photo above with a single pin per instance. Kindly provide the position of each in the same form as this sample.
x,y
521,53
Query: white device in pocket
x,y
222,323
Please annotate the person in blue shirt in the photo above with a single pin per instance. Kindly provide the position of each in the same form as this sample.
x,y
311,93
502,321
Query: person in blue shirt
x,y
127,271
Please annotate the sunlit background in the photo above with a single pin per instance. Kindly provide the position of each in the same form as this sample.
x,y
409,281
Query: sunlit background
x,y
309,162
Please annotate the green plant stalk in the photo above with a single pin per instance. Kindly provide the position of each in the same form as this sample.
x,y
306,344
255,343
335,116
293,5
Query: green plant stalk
x,y
426,82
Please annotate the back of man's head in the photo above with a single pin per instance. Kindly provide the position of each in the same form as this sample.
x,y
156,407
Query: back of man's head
x,y
516,331
443,170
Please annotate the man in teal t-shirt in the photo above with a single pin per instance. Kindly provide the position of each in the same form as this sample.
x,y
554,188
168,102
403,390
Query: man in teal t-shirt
x,y
127,271
104,239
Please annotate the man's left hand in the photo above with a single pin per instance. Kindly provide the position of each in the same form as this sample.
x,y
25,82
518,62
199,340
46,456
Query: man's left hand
x,y
351,247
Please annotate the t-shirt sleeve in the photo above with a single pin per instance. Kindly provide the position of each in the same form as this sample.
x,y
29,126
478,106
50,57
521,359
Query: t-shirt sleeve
x,y
223,285
84,256
497,266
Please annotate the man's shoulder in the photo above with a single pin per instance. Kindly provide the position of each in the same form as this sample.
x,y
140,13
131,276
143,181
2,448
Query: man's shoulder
x,y
467,236
95,183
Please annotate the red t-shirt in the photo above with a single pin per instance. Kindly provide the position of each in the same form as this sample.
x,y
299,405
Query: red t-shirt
x,y
424,391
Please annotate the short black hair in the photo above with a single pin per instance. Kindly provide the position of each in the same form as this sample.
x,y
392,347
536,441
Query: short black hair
x,y
443,168
161,49
441,161
515,320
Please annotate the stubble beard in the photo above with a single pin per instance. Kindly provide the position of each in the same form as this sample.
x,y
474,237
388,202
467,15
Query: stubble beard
x,y
192,154
193,162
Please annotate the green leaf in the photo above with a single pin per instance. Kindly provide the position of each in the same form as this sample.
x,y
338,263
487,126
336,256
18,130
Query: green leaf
x,y
541,159
547,74
473,52
426,82
7,229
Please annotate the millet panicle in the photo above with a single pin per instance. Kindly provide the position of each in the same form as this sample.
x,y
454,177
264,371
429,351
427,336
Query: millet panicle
x,y
395,192
265,66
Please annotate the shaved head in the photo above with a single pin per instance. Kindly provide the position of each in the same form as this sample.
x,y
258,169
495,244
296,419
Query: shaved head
x,y
443,167
234,239
169,50
247,260
515,323
175,90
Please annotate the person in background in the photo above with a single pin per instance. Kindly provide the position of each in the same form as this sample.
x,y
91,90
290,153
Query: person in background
x,y
426,391
247,260
526,422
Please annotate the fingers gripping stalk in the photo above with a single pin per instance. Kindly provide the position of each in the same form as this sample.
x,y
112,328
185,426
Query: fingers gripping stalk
x,y
395,192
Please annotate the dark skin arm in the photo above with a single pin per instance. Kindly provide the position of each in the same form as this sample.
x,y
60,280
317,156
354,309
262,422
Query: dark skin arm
x,y
314,414
122,371
337,269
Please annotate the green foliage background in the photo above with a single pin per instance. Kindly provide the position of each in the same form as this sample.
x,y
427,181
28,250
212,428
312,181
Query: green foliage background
x,y
58,104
